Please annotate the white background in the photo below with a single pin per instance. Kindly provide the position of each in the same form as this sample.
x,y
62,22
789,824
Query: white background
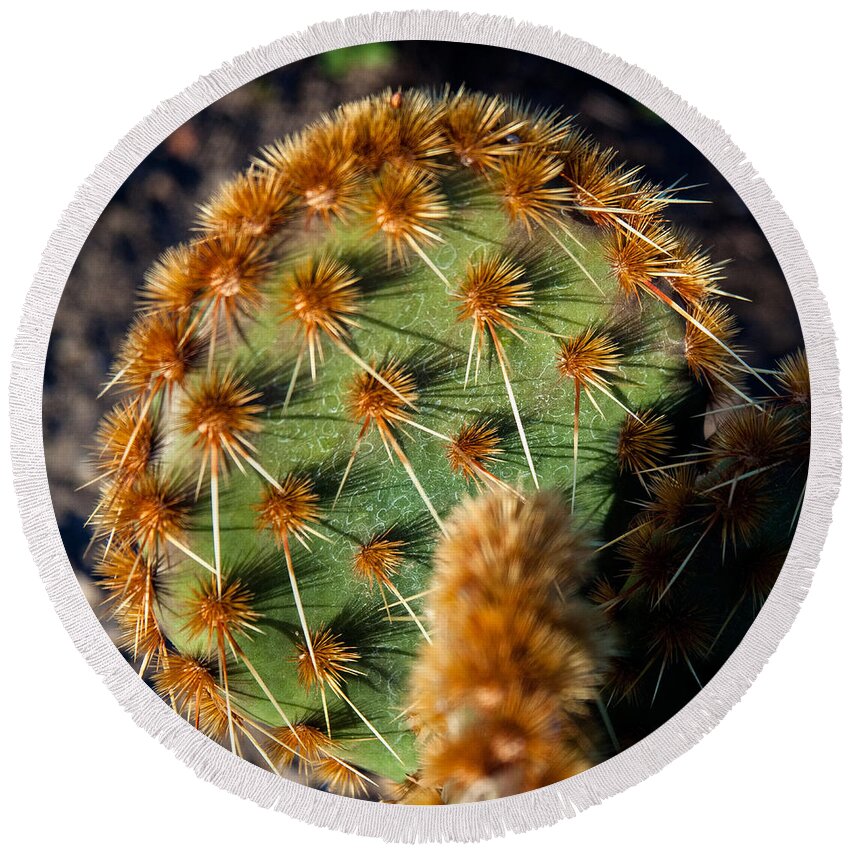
x,y
77,76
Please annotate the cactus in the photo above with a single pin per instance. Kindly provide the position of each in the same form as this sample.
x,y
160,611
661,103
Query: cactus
x,y
422,297
501,694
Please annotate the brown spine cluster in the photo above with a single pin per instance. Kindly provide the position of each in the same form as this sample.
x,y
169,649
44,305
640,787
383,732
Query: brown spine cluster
x,y
501,696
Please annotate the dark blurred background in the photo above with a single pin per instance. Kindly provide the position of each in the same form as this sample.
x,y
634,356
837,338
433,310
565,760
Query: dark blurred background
x,y
156,206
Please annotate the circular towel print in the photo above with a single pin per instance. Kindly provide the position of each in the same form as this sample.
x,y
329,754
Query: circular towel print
x,y
426,424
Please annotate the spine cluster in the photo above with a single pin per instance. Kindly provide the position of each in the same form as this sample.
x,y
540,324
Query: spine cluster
x,y
501,695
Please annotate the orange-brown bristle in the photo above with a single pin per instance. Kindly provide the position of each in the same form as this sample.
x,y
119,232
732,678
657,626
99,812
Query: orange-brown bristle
x,y
525,186
646,199
380,398
477,130
633,260
149,511
541,653
518,747
213,717
417,136
707,360
541,129
183,678
515,657
290,508
220,616
643,440
602,188
587,357
379,558
373,142
654,555
340,777
255,203
793,379
694,276
319,166
493,287
371,400
193,687
127,441
404,206
476,445
741,509
672,494
221,412
230,268
142,638
532,531
751,439
156,353
412,793
332,658
128,578
169,283
302,740
322,294
604,594
400,128
625,681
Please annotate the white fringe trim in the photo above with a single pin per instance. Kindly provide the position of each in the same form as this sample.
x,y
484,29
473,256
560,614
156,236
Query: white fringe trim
x,y
439,823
